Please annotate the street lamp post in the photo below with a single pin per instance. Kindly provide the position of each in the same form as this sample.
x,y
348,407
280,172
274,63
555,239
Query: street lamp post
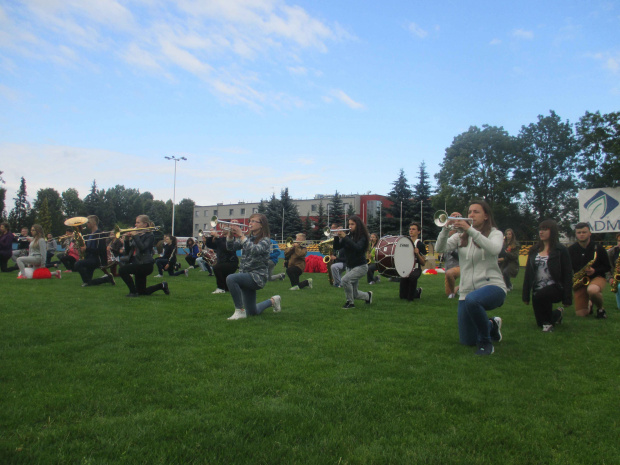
x,y
174,191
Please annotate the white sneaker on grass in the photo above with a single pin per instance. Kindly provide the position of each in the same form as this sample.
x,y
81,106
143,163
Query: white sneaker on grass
x,y
310,283
158,276
275,300
219,291
238,315
294,288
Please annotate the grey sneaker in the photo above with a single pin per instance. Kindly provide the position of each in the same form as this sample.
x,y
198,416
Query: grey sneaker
x,y
294,288
310,283
547,329
276,299
485,348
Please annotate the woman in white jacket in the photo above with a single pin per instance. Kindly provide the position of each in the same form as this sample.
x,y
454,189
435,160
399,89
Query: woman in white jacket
x,y
482,285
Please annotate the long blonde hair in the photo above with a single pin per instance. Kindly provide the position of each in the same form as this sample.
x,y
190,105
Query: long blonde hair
x,y
39,232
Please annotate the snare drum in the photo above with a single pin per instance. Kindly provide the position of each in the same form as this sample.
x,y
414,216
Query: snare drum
x,y
395,256
209,256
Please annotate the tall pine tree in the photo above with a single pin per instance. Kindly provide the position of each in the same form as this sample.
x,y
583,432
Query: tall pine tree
x,y
422,198
402,211
19,215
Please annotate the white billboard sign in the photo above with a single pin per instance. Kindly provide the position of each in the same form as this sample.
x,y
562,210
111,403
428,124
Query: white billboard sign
x,y
600,208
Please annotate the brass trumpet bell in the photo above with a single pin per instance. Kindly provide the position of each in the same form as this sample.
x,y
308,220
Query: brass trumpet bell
x,y
215,221
76,221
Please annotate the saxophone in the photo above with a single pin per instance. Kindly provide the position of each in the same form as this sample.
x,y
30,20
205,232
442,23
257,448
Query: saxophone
x,y
616,277
581,278
327,248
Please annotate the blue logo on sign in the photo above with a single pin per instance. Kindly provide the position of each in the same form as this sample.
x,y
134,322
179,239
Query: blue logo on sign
x,y
601,203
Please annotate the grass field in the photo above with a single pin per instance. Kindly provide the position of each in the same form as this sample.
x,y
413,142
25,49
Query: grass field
x,y
89,376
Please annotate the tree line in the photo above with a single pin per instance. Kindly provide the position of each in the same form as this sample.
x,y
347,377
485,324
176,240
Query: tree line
x,y
525,178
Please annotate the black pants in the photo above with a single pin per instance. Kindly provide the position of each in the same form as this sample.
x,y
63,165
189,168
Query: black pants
x,y
542,302
370,276
68,261
409,285
221,272
87,268
293,274
3,264
140,273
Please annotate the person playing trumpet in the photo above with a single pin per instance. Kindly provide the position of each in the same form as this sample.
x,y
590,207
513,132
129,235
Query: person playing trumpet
x,y
253,270
355,246
94,252
482,286
295,254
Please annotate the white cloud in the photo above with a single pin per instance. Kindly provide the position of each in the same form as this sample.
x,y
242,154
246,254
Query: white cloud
x,y
417,30
495,42
344,98
523,34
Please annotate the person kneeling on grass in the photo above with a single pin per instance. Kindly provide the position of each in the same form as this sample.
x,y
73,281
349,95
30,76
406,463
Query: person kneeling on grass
x,y
548,277
482,284
253,269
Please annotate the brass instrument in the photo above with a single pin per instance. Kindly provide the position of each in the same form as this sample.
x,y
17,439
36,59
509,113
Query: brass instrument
x,y
118,232
441,218
327,249
581,278
331,232
76,224
290,242
215,222
616,277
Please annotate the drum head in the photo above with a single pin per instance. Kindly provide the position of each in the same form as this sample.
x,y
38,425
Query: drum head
x,y
404,256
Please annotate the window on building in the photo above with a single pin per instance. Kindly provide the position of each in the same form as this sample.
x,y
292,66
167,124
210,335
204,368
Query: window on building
x,y
254,210
197,213
231,212
196,227
314,207
214,212
242,211
206,213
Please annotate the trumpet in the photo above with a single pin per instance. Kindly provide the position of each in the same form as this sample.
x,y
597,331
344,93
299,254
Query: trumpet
x,y
331,232
118,232
215,222
441,218
290,242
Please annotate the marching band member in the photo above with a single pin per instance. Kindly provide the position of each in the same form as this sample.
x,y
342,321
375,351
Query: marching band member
x,y
372,265
355,245
253,270
409,286
591,261
548,277
336,263
296,258
95,253
202,261
509,258
37,252
139,247
227,261
614,261
192,252
273,261
6,245
52,245
23,245
482,285
71,254
168,257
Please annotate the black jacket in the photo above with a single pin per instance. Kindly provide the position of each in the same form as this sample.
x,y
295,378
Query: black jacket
x,y
96,247
580,257
222,253
140,248
354,250
560,269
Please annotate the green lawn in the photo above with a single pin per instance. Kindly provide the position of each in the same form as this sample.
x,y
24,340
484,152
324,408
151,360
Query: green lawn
x,y
90,376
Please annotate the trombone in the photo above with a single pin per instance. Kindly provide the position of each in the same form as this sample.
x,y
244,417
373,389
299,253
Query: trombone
x,y
331,232
118,232
441,218
215,222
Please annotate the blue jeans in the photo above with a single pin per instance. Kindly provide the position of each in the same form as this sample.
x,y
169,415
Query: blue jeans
x,y
474,324
243,291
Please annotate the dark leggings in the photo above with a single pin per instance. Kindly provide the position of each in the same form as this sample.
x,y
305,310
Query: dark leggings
x,y
294,273
3,264
140,273
542,302
221,272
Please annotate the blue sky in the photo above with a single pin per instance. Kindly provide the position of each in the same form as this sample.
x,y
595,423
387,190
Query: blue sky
x,y
260,95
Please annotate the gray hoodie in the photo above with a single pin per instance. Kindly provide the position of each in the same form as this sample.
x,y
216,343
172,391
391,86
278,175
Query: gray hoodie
x,y
479,265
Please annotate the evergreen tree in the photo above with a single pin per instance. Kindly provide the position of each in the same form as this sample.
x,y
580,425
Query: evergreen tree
x,y
18,217
273,212
336,210
54,210
308,230
402,211
292,221
422,199
321,222
92,202
184,218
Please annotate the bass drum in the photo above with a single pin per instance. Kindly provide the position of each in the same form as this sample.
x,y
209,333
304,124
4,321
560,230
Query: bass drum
x,y
395,256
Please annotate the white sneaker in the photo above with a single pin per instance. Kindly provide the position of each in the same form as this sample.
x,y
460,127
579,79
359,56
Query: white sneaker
x,y
547,329
276,303
282,276
219,291
57,274
158,276
239,314
190,267
310,283
187,272
294,288
451,296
